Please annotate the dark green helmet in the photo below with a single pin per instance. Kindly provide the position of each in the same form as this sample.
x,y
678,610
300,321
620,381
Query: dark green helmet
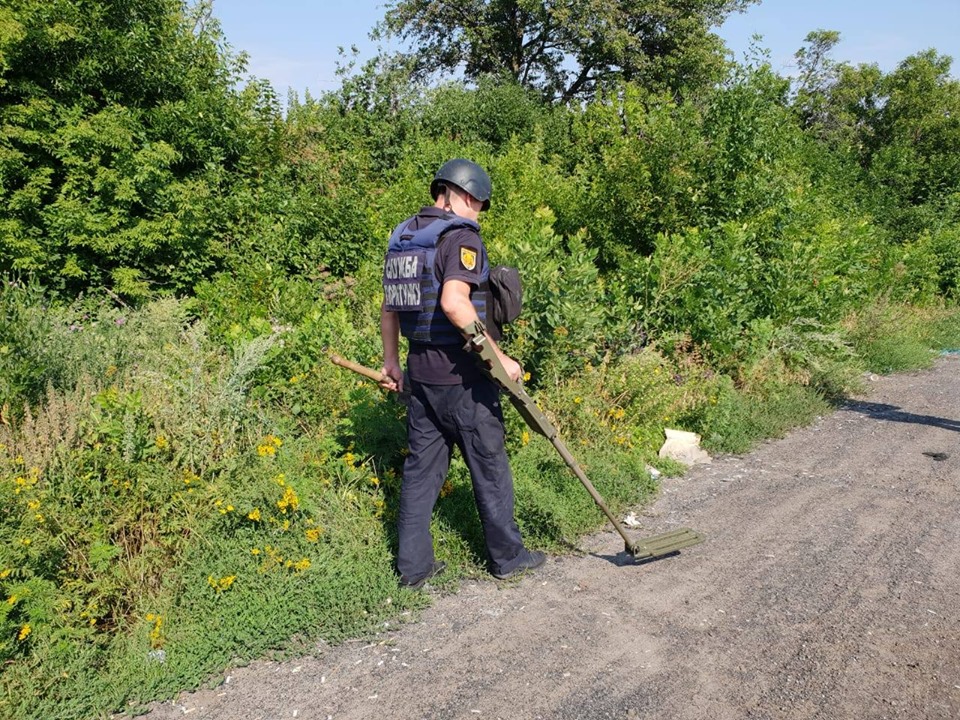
x,y
465,175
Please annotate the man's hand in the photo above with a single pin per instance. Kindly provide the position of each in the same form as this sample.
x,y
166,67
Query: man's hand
x,y
392,376
391,372
514,371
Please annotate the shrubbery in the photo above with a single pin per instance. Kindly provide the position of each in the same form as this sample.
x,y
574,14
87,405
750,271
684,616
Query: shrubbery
x,y
151,506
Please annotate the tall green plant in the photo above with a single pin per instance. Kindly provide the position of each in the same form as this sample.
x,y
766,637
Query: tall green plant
x,y
123,135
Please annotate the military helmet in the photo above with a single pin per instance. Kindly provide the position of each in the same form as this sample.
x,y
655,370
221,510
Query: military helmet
x,y
465,175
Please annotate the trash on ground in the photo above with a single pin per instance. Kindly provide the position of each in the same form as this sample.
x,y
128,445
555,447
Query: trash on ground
x,y
684,447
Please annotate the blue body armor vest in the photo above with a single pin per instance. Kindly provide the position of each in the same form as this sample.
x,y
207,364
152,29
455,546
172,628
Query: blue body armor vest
x,y
411,288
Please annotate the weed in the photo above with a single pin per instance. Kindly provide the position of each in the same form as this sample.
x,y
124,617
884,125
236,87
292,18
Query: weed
x,y
891,338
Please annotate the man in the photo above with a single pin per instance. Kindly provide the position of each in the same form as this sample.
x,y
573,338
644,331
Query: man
x,y
435,281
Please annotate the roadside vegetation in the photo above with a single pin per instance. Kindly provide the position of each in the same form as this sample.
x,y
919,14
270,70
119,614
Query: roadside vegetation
x,y
185,479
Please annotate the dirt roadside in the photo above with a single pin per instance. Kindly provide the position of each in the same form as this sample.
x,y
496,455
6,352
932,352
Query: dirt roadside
x,y
829,587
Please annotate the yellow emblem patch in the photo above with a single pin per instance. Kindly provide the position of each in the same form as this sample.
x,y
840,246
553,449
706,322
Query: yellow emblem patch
x,y
468,258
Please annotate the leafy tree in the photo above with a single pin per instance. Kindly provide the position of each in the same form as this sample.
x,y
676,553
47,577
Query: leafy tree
x,y
902,128
122,132
913,157
567,49
836,102
817,74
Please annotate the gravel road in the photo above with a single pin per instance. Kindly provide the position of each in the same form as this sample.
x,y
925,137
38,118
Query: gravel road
x,y
828,587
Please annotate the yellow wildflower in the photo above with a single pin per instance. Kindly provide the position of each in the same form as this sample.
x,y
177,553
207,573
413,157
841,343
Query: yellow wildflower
x,y
5,573
24,631
254,551
289,500
313,534
156,634
33,505
526,377
301,565
222,584
525,437
254,514
161,442
446,489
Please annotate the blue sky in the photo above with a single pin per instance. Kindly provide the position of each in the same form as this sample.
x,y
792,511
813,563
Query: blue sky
x,y
293,43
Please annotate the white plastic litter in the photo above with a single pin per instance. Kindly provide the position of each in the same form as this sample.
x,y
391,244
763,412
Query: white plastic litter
x,y
684,447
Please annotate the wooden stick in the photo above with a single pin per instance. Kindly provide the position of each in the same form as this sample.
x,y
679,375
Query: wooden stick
x,y
374,375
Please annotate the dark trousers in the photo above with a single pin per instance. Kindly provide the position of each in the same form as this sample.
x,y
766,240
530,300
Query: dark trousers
x,y
470,417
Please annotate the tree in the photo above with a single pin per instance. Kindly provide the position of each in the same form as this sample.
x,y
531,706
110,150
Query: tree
x,y
567,49
837,102
817,74
913,154
122,133
902,128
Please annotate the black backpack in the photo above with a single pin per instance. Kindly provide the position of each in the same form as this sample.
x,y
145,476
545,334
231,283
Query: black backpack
x,y
506,297
505,294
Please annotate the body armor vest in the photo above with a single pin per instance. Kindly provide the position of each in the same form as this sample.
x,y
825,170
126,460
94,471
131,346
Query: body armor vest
x,y
411,288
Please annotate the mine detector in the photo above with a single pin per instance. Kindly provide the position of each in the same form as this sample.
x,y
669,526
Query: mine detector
x,y
643,549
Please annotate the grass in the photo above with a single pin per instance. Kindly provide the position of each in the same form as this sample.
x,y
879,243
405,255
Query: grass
x,y
894,338
173,501
744,419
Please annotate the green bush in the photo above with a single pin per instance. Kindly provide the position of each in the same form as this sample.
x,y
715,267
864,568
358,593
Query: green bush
x,y
124,138
563,320
143,500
